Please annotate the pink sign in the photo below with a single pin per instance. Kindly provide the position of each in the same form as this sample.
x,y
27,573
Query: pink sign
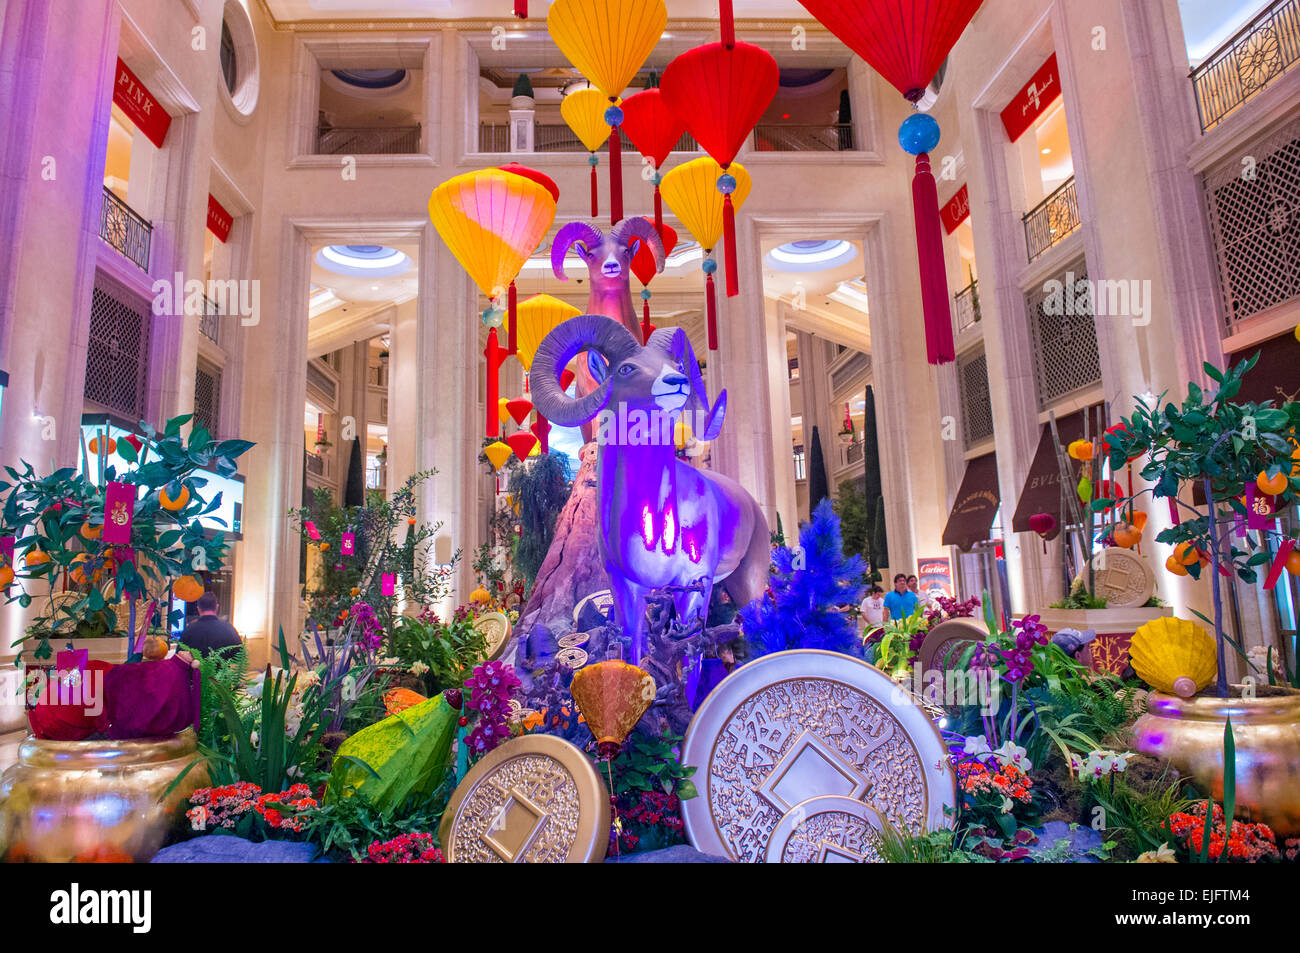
x,y
119,510
1259,508
349,544
7,553
312,531
388,584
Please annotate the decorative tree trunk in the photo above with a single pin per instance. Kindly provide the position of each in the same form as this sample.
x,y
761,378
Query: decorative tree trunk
x,y
572,570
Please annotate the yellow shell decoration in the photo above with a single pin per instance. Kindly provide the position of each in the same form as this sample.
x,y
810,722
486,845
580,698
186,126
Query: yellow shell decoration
x,y
1174,656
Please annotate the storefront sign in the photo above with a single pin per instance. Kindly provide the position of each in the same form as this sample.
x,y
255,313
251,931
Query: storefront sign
x,y
1030,103
219,220
934,576
140,105
956,211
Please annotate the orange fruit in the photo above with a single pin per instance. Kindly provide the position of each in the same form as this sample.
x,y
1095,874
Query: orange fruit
x,y
156,647
1126,535
78,573
167,503
94,445
1272,486
324,547
187,588
1293,562
354,592
37,557
1175,567
1139,520
1186,554
90,532
6,576
1295,467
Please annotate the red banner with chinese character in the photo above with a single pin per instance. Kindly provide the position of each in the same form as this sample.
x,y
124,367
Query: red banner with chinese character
x,y
1030,103
119,510
219,220
140,106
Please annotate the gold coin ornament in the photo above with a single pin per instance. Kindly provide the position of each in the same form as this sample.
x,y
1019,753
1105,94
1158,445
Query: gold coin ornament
x,y
495,627
573,640
1122,578
534,800
602,600
794,728
573,658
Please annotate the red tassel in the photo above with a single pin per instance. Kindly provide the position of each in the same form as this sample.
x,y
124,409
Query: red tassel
x,y
544,432
493,354
595,194
729,236
521,9
711,310
646,329
940,348
615,176
728,24
512,328
1173,511
659,210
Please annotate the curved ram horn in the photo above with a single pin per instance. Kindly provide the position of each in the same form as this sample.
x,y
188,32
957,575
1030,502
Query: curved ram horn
x,y
584,332
675,342
583,232
638,227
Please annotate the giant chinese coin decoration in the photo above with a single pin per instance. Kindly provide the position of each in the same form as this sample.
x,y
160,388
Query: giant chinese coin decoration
x,y
786,732
536,799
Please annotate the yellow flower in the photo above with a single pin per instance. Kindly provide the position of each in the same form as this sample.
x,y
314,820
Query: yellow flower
x,y
1162,855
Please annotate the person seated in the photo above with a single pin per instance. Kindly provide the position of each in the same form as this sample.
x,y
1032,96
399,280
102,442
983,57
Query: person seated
x,y
210,633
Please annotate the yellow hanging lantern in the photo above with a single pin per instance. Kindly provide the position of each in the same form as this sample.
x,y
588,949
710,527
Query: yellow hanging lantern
x,y
503,412
691,191
607,40
498,453
584,111
492,221
538,317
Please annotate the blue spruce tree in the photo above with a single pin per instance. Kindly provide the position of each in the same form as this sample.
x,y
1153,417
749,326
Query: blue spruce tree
x,y
799,611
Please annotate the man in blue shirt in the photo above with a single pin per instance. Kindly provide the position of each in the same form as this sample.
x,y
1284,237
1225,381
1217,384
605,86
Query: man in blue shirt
x,y
902,602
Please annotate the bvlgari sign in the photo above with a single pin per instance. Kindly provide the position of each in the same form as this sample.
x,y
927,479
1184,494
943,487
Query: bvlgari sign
x,y
140,106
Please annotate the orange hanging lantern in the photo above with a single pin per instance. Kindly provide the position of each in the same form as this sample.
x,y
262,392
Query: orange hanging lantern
x,y
691,192
612,696
608,41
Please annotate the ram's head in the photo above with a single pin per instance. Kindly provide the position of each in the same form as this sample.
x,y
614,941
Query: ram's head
x,y
608,257
663,376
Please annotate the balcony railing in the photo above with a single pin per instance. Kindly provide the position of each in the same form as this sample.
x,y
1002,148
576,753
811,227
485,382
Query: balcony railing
x,y
966,307
367,140
315,463
1257,54
1052,220
121,227
210,321
850,454
494,137
788,137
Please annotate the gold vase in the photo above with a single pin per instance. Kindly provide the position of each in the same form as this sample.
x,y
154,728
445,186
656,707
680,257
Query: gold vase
x,y
1266,732
94,800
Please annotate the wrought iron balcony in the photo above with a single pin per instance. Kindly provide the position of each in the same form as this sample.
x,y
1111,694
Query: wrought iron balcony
x,y
1054,218
367,140
1257,54
124,229
966,306
209,321
793,137
494,137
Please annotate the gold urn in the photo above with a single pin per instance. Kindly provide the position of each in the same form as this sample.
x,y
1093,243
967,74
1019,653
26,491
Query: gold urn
x,y
94,801
1266,732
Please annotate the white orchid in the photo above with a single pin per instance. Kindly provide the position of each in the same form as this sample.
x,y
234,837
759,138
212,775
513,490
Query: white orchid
x,y
1007,805
1161,855
1101,763
1012,753
977,745
419,668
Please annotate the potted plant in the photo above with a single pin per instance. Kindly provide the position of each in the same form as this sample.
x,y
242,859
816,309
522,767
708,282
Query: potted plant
x,y
1238,454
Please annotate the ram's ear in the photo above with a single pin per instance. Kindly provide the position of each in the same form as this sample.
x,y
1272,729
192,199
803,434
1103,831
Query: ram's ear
x,y
635,247
713,422
583,250
598,366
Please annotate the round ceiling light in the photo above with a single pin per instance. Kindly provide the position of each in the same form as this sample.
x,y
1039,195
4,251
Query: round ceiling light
x,y
366,261
370,78
811,255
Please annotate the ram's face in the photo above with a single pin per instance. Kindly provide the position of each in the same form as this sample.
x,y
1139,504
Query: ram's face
x,y
651,379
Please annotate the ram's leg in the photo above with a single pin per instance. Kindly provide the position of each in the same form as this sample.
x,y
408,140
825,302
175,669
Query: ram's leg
x,y
692,604
629,611
751,578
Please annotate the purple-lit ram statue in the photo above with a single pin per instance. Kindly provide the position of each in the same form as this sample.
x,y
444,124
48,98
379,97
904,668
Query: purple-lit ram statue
x,y
662,523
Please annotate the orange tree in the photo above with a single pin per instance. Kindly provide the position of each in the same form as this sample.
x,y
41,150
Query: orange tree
x,y
57,522
1231,450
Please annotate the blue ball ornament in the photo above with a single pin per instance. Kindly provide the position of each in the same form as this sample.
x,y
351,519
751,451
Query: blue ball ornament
x,y
593,160
709,266
726,183
645,294
656,178
613,116
493,317
919,133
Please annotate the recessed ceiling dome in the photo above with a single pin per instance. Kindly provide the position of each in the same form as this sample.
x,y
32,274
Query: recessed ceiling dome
x,y
371,261
811,255
370,78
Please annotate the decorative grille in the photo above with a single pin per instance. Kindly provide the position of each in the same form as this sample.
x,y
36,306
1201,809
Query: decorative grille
x,y
1064,334
117,355
320,380
1260,52
1254,211
976,405
207,397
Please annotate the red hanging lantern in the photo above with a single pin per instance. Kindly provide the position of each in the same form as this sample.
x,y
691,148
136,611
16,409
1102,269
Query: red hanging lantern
x,y
654,129
522,443
493,354
905,41
521,9
720,92
643,266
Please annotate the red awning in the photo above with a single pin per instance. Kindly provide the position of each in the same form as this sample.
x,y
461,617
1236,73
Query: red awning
x,y
1275,374
976,505
1042,490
